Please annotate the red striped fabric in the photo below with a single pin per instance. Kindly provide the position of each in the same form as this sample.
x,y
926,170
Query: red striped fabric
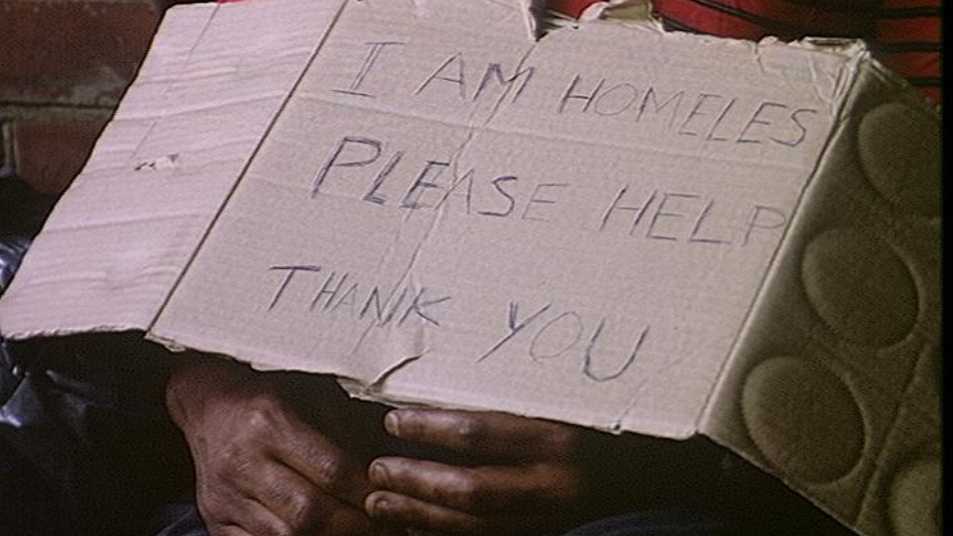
x,y
908,41
909,30
573,8
904,34
906,4
787,19
686,15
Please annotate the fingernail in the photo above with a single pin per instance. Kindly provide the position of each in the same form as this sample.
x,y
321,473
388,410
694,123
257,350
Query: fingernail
x,y
378,474
379,506
392,423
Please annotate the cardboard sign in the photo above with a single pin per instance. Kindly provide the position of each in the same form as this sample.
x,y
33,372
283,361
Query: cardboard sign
x,y
611,226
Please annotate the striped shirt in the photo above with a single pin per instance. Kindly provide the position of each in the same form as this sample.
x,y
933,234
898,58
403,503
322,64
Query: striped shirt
x,y
903,34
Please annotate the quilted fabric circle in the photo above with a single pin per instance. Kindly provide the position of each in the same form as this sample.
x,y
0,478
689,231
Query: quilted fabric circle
x,y
860,287
900,152
803,419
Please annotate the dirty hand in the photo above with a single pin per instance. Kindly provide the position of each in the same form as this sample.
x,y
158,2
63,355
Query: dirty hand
x,y
262,470
529,475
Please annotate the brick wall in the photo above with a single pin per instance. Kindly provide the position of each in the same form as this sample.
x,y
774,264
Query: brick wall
x,y
64,65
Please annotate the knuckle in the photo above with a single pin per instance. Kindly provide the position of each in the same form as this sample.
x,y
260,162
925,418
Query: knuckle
x,y
232,455
280,527
304,509
271,526
261,415
333,473
236,464
468,493
468,431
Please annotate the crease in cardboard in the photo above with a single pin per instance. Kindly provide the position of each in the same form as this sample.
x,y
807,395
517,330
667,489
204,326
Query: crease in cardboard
x,y
415,344
185,110
168,89
155,216
618,425
604,143
317,48
757,51
498,104
407,279
435,218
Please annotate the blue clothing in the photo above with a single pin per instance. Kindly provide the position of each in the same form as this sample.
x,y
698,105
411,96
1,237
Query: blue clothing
x,y
182,519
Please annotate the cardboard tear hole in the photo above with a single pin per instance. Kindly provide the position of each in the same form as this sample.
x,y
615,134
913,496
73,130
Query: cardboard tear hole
x,y
860,287
820,441
911,182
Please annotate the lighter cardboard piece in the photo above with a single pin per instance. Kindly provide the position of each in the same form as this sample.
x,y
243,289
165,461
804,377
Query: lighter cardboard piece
x,y
611,226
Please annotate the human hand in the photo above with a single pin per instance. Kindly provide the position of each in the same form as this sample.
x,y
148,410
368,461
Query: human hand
x,y
261,469
530,475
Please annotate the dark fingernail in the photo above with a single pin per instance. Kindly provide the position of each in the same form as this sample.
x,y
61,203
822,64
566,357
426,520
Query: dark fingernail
x,y
392,423
378,474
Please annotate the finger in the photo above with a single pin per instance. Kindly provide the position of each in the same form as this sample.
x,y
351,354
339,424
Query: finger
x,y
395,509
307,509
296,500
424,518
254,518
330,517
488,434
482,489
321,461
345,520
228,530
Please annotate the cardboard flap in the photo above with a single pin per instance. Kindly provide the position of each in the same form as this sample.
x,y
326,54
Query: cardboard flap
x,y
833,386
121,236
